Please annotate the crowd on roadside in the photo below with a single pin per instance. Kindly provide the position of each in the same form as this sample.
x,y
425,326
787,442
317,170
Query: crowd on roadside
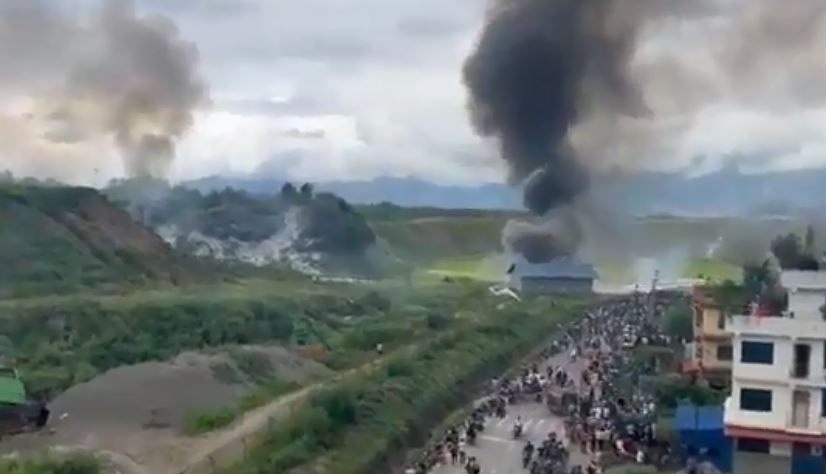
x,y
609,418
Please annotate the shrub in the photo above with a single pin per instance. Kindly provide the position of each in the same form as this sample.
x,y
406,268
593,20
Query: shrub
x,y
437,321
210,420
72,464
400,367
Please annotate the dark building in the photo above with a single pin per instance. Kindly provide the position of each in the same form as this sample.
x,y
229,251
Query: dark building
x,y
561,275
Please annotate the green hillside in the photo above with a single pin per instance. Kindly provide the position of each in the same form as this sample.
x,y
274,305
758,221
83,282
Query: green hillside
x,y
59,239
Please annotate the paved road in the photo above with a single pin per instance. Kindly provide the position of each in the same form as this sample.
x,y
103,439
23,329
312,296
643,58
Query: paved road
x,y
499,453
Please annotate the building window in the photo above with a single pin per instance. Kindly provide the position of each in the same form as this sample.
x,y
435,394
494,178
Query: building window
x,y
753,399
724,352
800,369
753,445
721,320
757,352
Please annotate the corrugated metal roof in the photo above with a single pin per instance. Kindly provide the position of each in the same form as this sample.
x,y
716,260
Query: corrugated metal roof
x,y
795,279
563,267
12,391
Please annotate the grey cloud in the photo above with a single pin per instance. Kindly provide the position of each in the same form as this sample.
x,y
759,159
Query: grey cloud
x,y
112,74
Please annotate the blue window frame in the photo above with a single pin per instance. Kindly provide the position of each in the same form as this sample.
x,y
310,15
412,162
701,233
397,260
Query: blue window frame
x,y
754,399
753,352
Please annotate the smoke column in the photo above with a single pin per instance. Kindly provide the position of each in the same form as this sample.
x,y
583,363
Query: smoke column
x,y
113,75
561,87
540,66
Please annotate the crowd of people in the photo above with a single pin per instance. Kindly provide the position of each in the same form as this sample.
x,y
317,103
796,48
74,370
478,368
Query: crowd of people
x,y
588,377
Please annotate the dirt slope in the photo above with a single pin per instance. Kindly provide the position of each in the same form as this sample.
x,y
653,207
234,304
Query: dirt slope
x,y
135,416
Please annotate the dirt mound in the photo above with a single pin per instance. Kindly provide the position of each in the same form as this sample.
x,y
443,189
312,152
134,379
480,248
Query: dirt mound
x,y
140,410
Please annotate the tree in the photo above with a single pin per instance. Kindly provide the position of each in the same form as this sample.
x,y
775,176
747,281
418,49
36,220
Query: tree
x,y
306,190
678,322
288,192
788,250
794,254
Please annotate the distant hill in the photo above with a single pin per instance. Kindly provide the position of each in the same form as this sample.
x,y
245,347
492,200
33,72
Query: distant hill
x,y
408,192
57,239
728,191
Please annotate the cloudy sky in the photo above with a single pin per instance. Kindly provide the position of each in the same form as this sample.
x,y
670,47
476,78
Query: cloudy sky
x,y
354,89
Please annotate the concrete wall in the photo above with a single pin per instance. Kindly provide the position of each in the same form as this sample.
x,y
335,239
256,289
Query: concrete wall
x,y
711,323
806,303
755,463
709,355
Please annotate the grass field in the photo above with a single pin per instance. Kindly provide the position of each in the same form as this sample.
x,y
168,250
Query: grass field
x,y
491,268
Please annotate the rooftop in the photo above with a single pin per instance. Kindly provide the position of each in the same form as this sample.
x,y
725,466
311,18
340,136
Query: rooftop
x,y
800,279
12,391
776,327
563,267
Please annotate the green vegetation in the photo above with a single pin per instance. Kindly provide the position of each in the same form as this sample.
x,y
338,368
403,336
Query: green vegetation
x,y
74,464
431,238
210,420
671,389
712,270
63,340
60,239
355,424
679,322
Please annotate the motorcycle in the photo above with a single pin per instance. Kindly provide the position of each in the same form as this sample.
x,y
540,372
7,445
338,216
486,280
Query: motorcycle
x,y
517,431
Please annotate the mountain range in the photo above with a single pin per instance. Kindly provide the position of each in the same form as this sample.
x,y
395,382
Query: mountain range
x,y
726,192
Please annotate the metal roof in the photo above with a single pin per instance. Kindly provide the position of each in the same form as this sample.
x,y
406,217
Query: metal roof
x,y
799,279
12,391
563,267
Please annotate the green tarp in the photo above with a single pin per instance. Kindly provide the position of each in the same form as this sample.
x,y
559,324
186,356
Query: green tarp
x,y
11,391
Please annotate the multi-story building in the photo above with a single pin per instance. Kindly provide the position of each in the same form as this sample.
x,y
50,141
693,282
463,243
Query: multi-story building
x,y
711,351
777,409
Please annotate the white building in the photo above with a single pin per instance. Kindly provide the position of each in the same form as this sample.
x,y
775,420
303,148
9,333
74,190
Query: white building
x,y
777,409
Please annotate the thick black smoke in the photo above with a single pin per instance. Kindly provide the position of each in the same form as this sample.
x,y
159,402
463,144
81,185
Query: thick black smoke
x,y
540,66
542,242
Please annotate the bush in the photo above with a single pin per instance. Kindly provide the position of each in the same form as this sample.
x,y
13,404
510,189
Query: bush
x,y
73,464
400,367
339,404
437,321
210,420
57,346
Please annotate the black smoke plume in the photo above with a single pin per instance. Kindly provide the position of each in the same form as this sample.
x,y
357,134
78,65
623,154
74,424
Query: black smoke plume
x,y
540,66
542,242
